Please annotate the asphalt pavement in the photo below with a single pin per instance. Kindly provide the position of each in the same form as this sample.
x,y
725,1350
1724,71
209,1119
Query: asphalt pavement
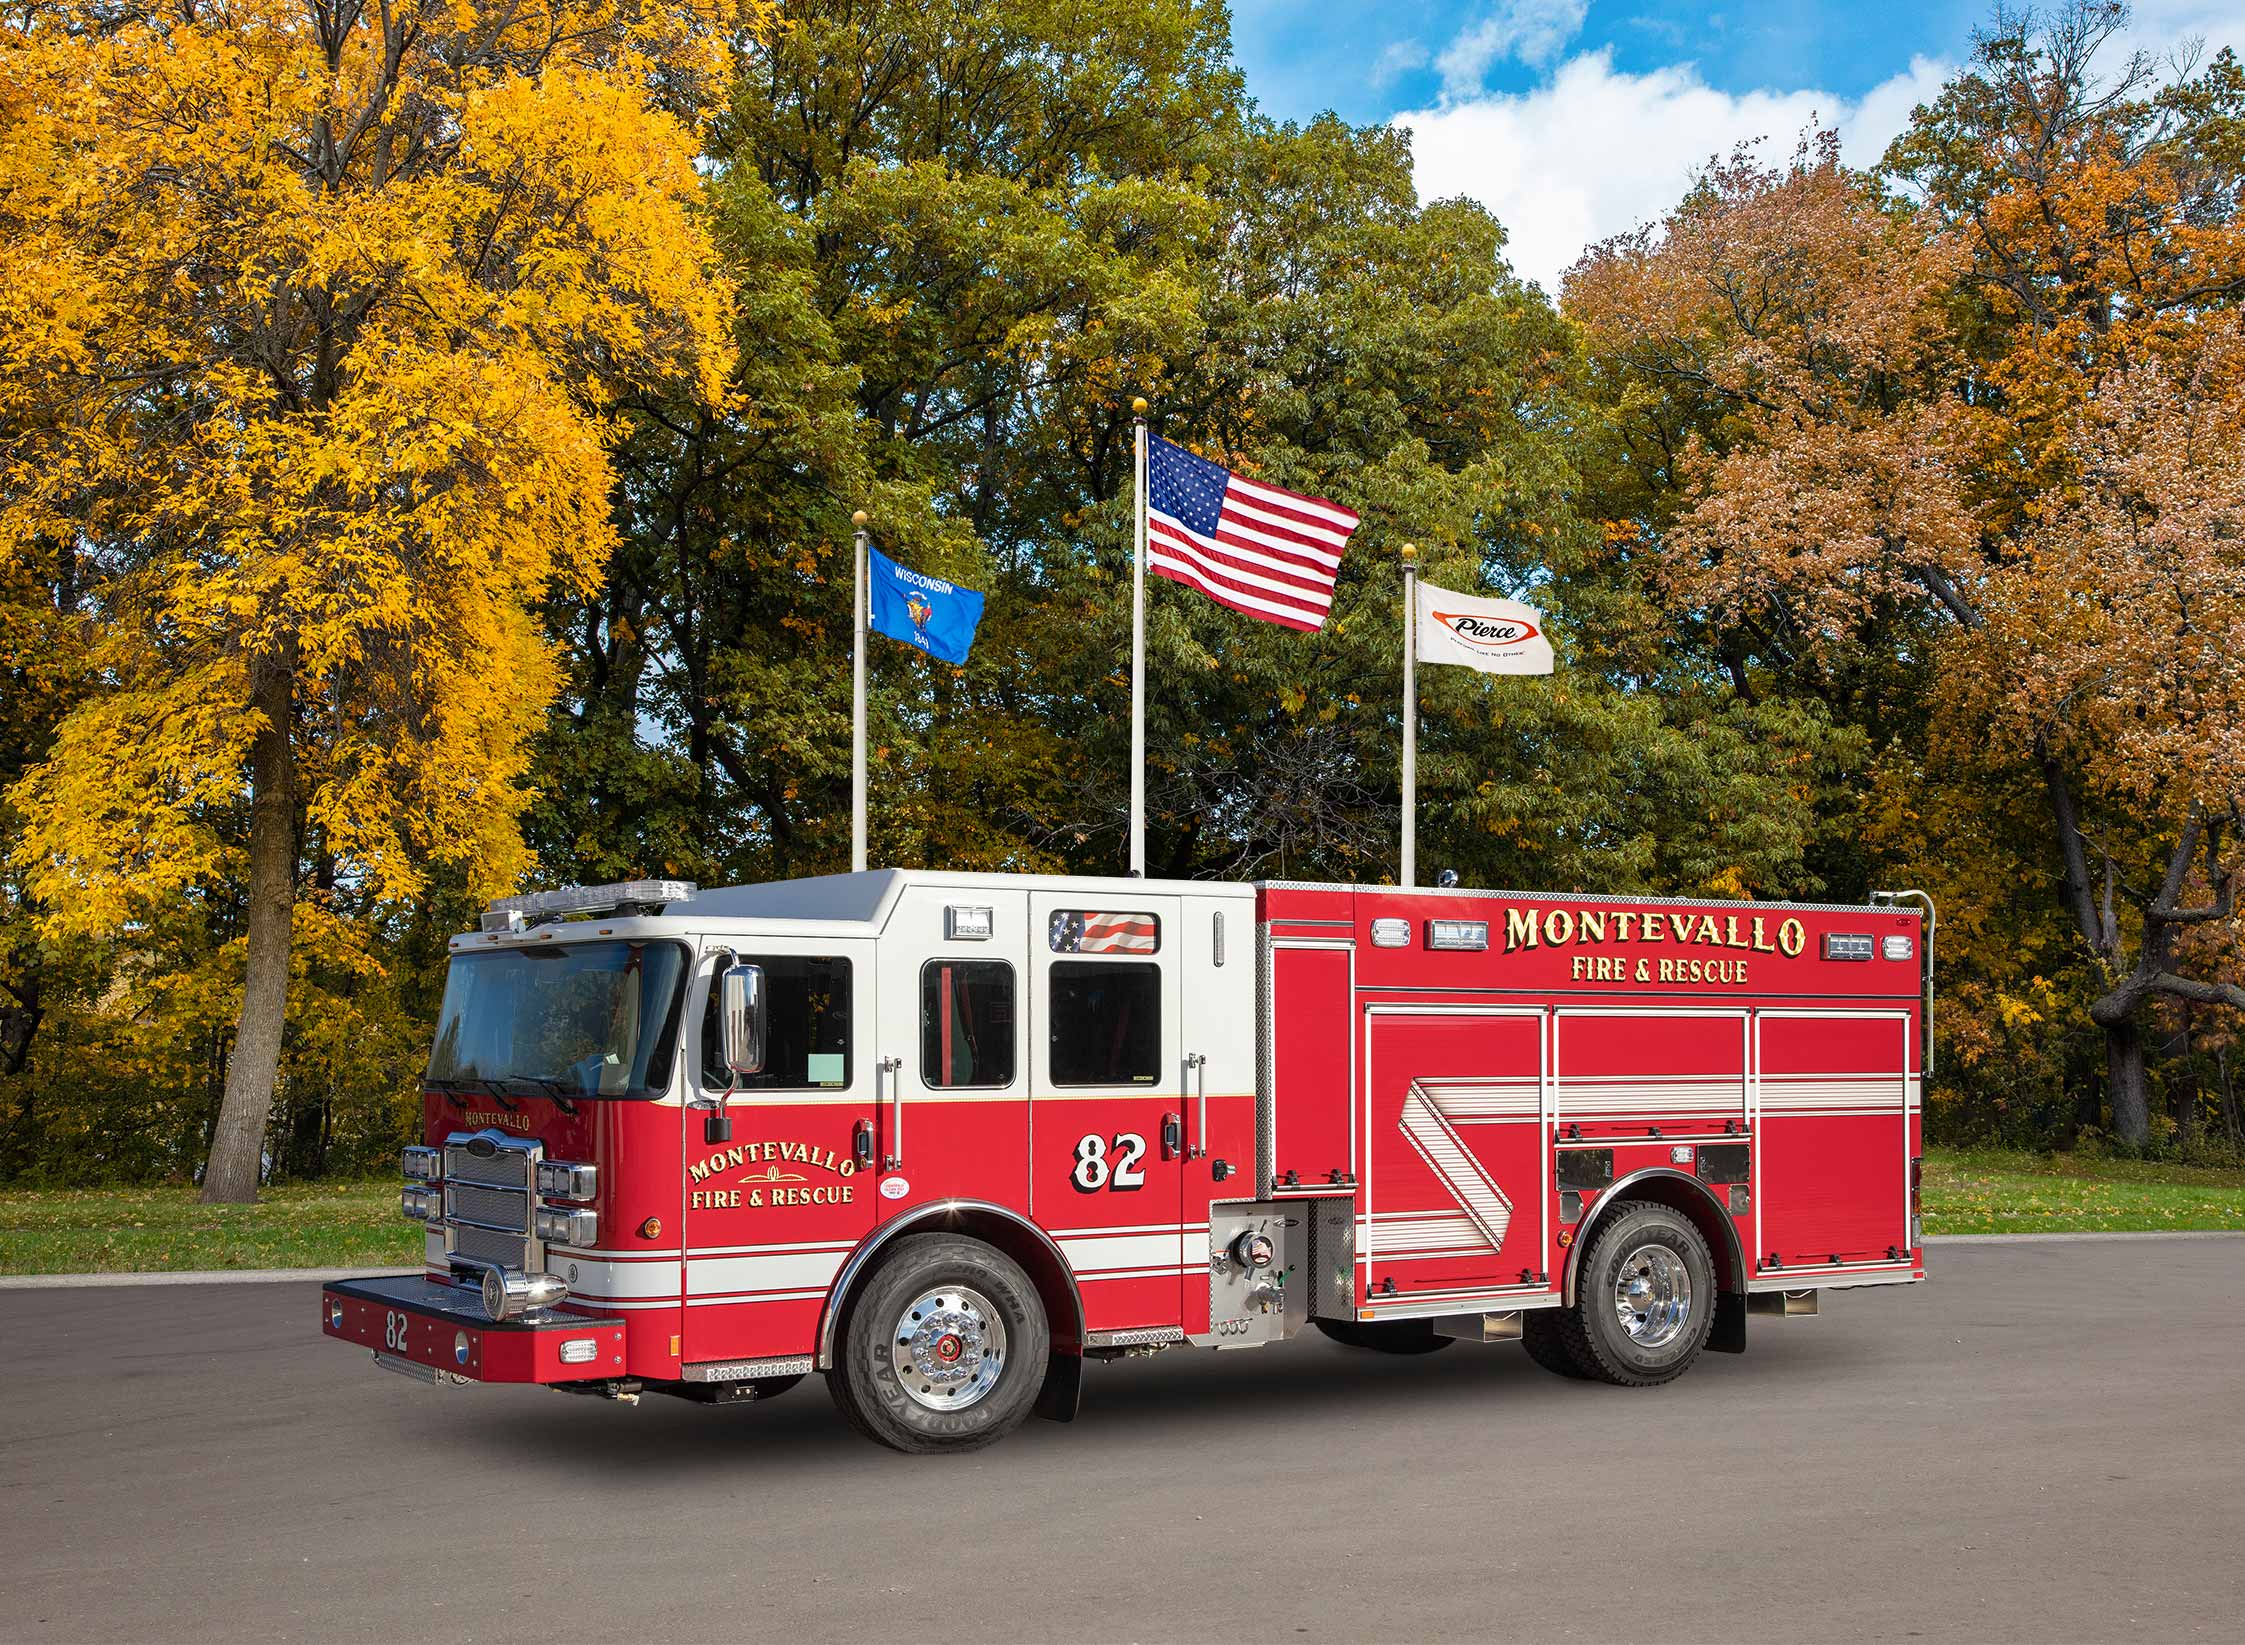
x,y
2044,1443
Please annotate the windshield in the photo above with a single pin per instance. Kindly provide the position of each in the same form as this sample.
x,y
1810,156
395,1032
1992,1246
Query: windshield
x,y
587,1019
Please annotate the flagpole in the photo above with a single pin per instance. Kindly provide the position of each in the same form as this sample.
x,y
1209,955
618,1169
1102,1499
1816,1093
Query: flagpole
x,y
1138,650
1410,715
858,593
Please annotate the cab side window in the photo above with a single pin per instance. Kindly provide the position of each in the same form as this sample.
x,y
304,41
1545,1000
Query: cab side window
x,y
808,1034
966,1023
1106,1023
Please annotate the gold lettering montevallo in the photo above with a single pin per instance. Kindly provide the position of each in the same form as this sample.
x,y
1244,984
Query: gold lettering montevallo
x,y
1547,927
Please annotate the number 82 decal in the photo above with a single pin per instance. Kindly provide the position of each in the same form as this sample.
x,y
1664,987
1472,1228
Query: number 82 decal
x,y
1094,1170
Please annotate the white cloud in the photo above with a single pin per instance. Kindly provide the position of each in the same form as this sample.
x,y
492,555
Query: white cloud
x,y
1594,152
1398,57
1533,31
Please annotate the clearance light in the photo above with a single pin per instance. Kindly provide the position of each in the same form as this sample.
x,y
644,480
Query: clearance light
x,y
1391,933
560,1179
1457,933
1897,947
580,1351
578,1228
964,924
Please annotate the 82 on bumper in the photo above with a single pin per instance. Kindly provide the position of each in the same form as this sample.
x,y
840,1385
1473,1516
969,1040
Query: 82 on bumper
x,y
413,1325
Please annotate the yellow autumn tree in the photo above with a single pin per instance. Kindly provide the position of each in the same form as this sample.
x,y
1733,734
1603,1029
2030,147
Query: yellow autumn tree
x,y
312,320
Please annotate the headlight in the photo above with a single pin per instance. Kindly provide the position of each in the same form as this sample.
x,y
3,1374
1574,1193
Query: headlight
x,y
559,1179
559,1227
422,1204
507,1293
422,1164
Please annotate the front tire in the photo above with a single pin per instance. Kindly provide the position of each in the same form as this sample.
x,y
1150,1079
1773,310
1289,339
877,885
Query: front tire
x,y
1644,1301
944,1348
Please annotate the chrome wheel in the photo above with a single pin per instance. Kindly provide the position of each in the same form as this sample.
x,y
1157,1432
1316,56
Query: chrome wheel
x,y
948,1348
1653,1295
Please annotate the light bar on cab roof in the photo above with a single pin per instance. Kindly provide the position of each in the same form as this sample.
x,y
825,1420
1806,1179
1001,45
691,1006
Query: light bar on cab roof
x,y
536,907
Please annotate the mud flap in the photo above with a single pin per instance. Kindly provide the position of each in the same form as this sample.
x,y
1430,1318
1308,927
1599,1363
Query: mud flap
x,y
1728,1334
1062,1393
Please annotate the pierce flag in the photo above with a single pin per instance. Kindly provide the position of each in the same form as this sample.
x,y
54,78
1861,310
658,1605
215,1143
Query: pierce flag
x,y
1494,636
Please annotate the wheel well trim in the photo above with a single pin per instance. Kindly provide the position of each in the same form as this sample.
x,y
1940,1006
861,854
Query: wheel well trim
x,y
914,1221
1614,1195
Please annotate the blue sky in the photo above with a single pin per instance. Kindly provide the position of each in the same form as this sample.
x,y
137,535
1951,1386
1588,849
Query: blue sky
x,y
1576,119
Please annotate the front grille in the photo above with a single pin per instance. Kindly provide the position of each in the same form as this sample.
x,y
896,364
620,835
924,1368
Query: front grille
x,y
488,1203
481,1245
508,1168
493,1207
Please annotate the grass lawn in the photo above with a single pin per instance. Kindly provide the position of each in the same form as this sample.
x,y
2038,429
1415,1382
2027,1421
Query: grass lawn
x,y
1989,1191
344,1225
329,1225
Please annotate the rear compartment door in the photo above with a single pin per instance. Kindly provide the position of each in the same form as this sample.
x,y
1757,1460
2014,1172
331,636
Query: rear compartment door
x,y
1454,1191
1832,1137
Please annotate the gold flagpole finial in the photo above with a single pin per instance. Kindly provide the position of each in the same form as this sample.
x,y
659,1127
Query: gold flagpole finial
x,y
1138,407
858,519
1410,551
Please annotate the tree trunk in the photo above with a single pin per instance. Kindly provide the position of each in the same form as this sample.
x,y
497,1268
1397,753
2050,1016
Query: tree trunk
x,y
238,1144
2124,1081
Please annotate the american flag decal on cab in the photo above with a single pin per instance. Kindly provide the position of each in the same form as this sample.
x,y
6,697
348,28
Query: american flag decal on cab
x,y
1087,931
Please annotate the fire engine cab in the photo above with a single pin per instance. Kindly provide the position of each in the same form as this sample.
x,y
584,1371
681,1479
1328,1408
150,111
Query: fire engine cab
x,y
944,1137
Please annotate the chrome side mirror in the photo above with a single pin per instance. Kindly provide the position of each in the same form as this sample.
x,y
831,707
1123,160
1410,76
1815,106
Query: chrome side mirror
x,y
746,1020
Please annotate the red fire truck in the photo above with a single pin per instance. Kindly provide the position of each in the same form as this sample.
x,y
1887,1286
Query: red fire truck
x,y
944,1137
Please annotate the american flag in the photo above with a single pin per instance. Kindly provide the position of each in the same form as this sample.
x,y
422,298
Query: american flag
x,y
1080,931
1272,554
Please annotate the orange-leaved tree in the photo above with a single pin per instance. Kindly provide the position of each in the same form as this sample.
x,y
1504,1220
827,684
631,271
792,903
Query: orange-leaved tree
x,y
312,318
1873,409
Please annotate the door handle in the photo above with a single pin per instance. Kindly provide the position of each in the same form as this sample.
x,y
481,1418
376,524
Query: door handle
x,y
861,1143
894,1068
1197,1066
1172,1135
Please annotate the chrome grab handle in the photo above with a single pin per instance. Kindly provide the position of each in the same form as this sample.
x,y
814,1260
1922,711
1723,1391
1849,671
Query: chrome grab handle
x,y
894,1068
1197,1065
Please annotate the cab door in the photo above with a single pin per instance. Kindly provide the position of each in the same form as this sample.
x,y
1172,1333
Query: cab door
x,y
954,1086
772,1209
1110,1124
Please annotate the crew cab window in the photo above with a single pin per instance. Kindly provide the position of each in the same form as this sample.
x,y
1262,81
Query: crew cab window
x,y
1106,1023
807,1043
966,1023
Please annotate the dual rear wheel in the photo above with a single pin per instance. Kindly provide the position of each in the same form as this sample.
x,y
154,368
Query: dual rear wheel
x,y
1644,1303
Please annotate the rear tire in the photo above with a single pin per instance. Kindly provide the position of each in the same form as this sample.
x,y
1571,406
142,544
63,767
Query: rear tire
x,y
944,1348
1644,1301
1544,1334
1399,1336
